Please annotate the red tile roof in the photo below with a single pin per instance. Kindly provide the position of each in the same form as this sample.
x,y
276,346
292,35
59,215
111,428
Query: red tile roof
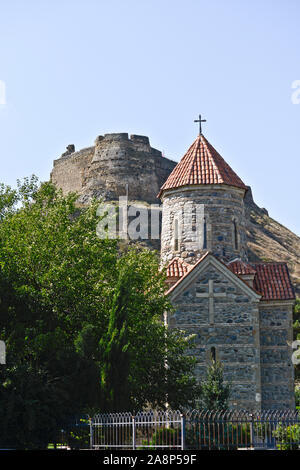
x,y
201,164
191,267
177,268
272,280
240,267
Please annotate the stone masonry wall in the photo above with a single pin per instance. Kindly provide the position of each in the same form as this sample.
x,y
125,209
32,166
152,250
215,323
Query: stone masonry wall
x,y
277,371
68,172
234,332
116,165
222,205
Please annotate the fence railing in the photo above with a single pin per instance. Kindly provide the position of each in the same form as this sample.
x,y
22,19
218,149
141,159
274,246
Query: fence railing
x,y
197,429
152,429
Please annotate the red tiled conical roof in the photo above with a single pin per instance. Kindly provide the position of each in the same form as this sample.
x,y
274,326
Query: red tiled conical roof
x,y
202,164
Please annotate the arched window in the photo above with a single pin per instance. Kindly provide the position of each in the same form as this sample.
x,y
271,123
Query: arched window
x,y
235,235
176,235
213,354
204,234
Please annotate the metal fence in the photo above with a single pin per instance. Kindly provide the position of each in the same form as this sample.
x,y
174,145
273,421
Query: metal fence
x,y
238,429
152,429
197,429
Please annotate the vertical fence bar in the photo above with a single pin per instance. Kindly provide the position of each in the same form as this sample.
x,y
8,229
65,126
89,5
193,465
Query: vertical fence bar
x,y
91,433
133,433
182,422
251,430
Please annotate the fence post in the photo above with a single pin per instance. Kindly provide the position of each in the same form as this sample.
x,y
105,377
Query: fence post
x,y
133,434
91,433
251,430
182,419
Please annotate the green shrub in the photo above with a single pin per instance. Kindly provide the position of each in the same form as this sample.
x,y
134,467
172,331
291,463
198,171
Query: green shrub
x,y
288,437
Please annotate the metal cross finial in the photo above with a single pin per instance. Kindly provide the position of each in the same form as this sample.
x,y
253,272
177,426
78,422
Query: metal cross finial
x,y
200,120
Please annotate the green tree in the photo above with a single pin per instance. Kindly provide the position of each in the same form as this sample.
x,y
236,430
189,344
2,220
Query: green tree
x,y
114,352
28,399
215,392
63,292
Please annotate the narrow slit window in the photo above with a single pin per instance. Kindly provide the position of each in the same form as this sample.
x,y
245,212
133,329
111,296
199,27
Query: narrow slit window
x,y
235,235
176,236
213,354
204,234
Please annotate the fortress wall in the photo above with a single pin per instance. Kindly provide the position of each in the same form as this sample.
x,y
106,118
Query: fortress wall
x,y
115,164
68,171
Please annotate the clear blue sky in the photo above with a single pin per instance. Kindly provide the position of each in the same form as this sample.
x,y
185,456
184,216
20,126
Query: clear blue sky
x,y
74,69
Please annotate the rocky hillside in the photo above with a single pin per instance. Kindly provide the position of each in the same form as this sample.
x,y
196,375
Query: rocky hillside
x,y
268,240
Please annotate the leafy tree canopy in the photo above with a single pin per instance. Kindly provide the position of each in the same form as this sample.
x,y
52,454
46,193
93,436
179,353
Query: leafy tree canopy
x,y
81,318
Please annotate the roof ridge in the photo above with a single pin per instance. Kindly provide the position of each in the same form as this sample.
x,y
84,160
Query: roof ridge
x,y
210,153
270,262
199,261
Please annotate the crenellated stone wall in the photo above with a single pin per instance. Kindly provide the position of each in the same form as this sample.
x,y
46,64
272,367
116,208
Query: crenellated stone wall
x,y
117,165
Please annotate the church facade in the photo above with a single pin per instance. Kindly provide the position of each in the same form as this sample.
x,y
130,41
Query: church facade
x,y
238,313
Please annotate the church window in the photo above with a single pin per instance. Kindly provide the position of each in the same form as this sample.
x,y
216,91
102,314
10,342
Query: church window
x,y
204,234
213,354
235,235
176,235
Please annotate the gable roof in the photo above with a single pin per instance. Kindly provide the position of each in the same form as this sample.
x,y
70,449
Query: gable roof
x,y
201,164
218,264
184,275
272,280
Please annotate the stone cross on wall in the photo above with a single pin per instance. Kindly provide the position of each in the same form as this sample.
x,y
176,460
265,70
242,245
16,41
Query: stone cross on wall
x,y
211,295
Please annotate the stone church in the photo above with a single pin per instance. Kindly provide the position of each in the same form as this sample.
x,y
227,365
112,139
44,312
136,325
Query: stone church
x,y
239,313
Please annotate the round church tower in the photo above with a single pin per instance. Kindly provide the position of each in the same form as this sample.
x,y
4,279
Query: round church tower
x,y
203,208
